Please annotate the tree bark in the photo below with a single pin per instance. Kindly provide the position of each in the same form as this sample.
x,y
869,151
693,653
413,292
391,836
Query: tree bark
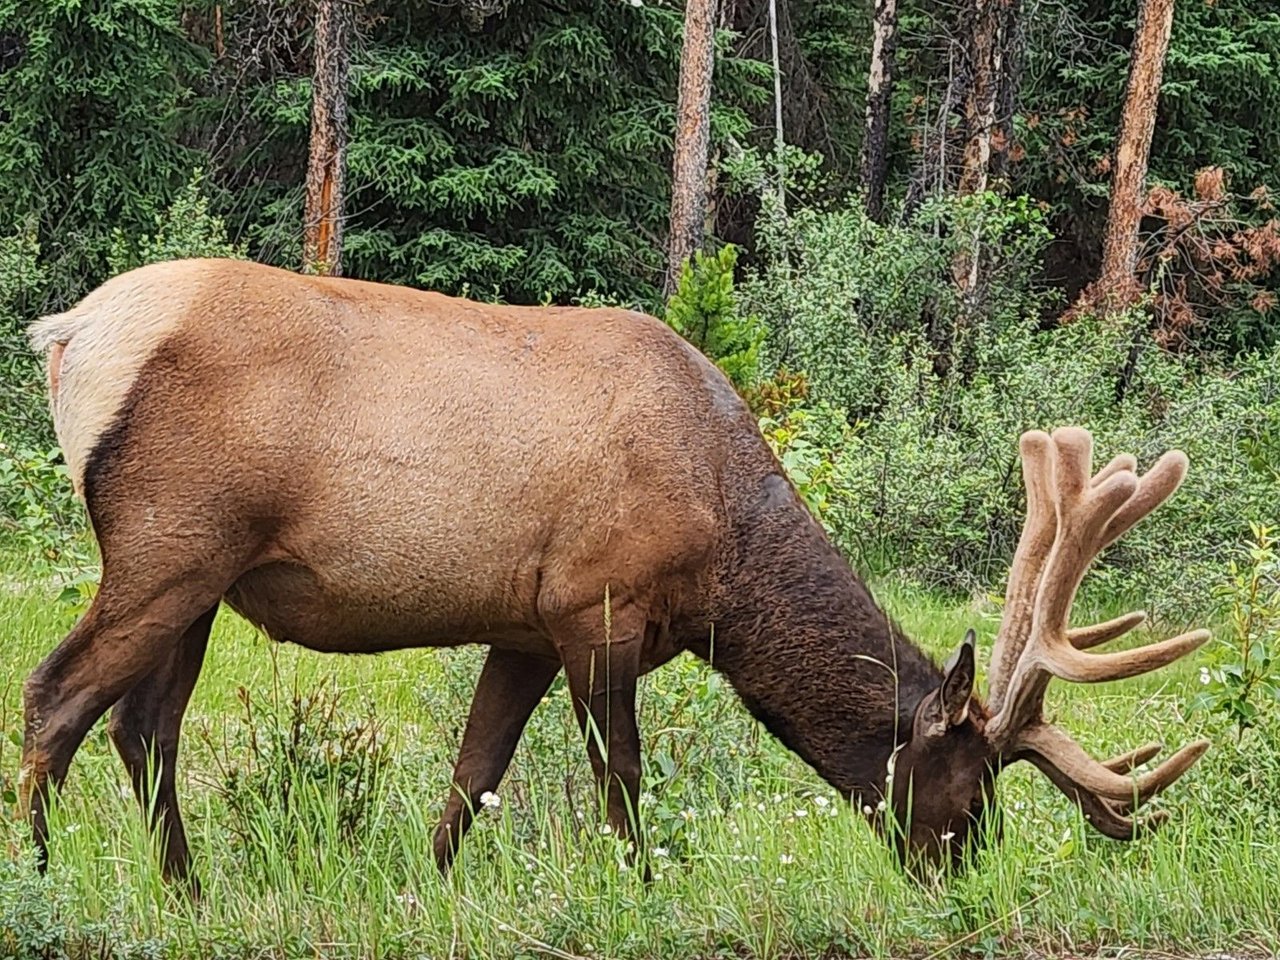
x,y
1117,286
874,160
322,222
693,131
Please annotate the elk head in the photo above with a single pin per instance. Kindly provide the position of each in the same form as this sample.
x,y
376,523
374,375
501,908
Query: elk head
x,y
941,780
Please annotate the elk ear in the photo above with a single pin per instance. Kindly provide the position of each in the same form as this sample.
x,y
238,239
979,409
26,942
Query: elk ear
x,y
949,705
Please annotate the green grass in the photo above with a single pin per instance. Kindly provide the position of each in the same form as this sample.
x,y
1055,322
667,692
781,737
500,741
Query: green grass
x,y
762,860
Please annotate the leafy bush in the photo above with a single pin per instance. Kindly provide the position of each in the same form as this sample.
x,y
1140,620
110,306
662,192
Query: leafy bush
x,y
704,310
924,394
23,415
289,751
838,291
1247,666
186,229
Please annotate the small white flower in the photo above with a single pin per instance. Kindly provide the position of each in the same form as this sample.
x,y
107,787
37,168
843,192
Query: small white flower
x,y
786,858
490,800
606,829
948,836
657,875
408,899
779,882
820,802
661,852
777,798
72,827
1204,675
867,811
802,812
688,814
647,799
880,807
760,807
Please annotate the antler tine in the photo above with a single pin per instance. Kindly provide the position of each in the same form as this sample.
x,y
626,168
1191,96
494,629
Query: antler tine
x,y
1135,758
1082,638
1055,747
1038,533
1109,818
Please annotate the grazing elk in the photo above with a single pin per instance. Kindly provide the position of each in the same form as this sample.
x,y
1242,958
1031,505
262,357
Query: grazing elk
x,y
357,468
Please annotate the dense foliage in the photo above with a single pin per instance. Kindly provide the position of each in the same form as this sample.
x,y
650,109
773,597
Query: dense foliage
x,y
521,151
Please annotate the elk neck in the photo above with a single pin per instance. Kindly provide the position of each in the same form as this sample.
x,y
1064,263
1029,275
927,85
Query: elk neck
x,y
805,645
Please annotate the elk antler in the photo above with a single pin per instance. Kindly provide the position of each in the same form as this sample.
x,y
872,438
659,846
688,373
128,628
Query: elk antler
x,y
1071,517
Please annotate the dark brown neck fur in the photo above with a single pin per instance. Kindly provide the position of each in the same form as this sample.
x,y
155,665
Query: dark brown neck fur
x,y
806,647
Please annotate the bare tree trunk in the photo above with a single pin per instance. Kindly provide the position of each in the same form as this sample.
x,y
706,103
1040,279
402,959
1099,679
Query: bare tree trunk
x,y
985,59
985,62
1117,286
874,161
693,129
1013,42
322,223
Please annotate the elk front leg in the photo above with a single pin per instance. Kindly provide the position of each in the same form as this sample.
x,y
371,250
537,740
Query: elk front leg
x,y
602,668
145,726
511,685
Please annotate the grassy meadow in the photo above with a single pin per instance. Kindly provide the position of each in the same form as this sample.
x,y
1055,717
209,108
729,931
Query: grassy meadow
x,y
311,786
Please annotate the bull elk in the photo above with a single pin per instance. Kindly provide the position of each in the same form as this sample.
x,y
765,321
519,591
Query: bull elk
x,y
357,467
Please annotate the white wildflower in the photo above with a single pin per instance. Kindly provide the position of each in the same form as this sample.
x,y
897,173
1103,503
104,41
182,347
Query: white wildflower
x,y
661,852
786,858
490,800
820,802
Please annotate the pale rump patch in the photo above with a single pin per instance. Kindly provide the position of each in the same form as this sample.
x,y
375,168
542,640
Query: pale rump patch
x,y
96,349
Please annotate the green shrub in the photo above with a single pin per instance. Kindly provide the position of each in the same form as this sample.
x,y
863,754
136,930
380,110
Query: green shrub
x,y
839,292
930,486
23,280
704,310
186,229
291,750
1246,668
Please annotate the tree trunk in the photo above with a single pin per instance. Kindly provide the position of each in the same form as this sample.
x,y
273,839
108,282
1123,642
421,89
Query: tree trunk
x,y
1117,286
874,161
693,129
322,223
993,27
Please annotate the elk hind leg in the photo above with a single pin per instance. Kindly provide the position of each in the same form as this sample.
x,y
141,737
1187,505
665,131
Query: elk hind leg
x,y
145,727
124,635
